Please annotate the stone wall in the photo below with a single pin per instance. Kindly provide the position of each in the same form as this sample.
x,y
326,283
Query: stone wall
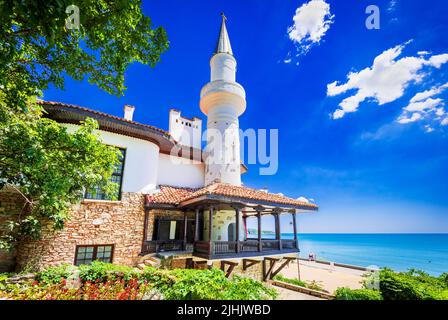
x,y
254,272
11,204
92,222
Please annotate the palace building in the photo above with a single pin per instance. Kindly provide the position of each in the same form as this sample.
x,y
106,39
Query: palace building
x,y
177,204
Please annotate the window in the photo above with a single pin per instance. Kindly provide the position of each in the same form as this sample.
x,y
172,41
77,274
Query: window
x,y
117,177
87,254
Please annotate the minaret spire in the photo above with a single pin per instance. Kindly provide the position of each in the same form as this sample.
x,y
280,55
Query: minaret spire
x,y
223,100
223,44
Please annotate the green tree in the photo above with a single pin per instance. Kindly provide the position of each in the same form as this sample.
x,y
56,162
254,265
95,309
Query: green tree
x,y
47,165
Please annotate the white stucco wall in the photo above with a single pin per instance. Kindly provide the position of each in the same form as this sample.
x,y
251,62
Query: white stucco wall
x,y
221,221
180,172
141,162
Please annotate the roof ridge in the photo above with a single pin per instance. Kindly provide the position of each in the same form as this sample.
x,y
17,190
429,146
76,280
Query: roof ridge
x,y
75,106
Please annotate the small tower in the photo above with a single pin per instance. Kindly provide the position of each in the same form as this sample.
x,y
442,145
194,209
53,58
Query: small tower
x,y
223,100
185,131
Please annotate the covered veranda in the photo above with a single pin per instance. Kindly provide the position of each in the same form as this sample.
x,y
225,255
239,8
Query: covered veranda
x,y
220,215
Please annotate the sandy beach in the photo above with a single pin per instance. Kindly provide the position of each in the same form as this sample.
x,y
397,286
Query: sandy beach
x,y
329,277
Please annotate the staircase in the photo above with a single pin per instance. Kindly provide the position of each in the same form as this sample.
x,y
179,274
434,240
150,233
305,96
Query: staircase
x,y
149,260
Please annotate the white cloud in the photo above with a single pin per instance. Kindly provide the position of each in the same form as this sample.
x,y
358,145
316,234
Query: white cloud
x,y
423,105
287,60
429,129
392,5
383,82
414,117
311,21
420,106
429,93
303,199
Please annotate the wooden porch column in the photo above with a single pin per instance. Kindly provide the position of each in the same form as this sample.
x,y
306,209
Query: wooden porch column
x,y
185,230
260,245
245,225
277,229
237,227
294,225
145,229
196,225
210,227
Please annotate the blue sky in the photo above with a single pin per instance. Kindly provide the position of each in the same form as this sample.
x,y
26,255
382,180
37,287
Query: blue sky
x,y
381,165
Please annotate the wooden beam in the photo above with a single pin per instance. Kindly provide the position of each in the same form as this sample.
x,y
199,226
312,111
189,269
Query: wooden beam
x,y
185,230
294,224
237,227
284,264
196,225
267,273
145,228
210,227
229,270
196,263
260,245
247,263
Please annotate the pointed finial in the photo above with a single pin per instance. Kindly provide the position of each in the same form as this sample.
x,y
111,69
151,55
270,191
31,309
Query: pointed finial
x,y
223,44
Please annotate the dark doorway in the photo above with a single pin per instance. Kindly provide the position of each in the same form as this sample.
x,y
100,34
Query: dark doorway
x,y
231,232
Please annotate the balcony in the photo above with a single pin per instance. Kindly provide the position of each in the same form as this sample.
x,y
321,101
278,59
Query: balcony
x,y
223,249
248,248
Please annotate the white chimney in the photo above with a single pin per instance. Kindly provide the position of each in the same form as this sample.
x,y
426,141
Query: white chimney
x,y
128,112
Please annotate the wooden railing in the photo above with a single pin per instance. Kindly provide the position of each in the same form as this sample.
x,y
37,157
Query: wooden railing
x,y
162,245
202,247
267,245
288,244
217,247
224,247
249,246
230,247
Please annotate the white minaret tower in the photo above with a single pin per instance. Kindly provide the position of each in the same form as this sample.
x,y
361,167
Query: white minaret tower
x,y
223,100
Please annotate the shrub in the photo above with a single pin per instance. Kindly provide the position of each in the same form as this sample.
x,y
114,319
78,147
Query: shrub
x,y
189,284
297,282
313,285
357,294
412,285
104,281
241,288
53,275
101,271
109,290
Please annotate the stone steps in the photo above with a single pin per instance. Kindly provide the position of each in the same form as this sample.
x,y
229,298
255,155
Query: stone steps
x,y
149,260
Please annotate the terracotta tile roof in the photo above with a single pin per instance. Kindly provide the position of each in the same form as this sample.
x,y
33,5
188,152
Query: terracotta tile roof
x,y
169,195
70,113
175,195
98,113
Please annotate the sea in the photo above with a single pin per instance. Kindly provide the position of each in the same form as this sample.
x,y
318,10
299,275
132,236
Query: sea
x,y
400,252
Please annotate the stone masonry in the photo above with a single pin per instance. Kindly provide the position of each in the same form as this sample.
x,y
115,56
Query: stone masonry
x,y
11,204
92,222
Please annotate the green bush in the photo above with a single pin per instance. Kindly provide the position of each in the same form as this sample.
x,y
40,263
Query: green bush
x,y
313,285
357,294
101,271
412,285
53,275
296,282
189,284
128,283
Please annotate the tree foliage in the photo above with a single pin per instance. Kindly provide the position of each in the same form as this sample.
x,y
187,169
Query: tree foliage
x,y
36,48
49,166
